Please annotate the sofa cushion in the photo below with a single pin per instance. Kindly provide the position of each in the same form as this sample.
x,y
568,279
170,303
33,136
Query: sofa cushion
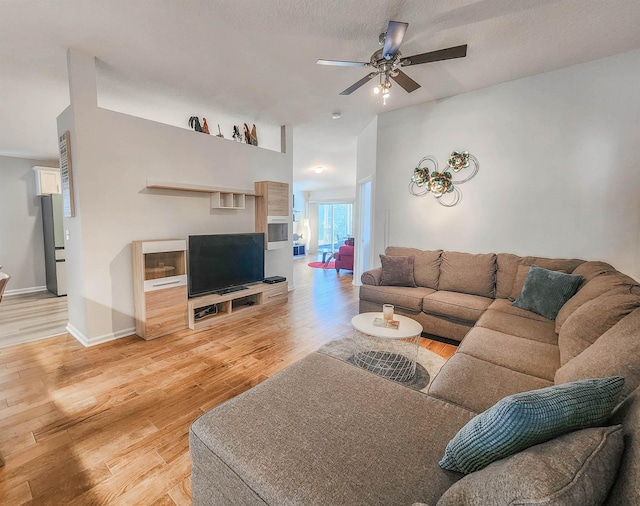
x,y
442,326
626,488
591,269
455,305
400,296
467,273
506,269
506,306
477,385
397,271
537,329
426,268
566,265
529,418
592,320
604,283
545,292
426,264
615,353
575,468
323,431
522,355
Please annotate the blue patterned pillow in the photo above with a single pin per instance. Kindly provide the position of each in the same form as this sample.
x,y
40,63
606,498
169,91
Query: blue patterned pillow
x,y
545,292
529,418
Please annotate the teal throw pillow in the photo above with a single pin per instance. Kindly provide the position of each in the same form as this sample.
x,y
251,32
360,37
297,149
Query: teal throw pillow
x,y
529,418
545,292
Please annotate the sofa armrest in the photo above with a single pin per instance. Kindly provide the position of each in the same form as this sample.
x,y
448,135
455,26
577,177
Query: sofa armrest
x,y
371,277
346,250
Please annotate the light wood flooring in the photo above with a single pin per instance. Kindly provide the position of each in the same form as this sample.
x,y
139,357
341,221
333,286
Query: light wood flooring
x,y
32,316
109,424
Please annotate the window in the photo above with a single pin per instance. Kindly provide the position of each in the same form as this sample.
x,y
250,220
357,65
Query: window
x,y
335,224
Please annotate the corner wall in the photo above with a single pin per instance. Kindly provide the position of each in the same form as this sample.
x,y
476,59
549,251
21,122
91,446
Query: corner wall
x,y
113,156
558,167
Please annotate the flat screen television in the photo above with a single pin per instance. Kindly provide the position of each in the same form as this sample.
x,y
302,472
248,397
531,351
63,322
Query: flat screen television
x,y
222,261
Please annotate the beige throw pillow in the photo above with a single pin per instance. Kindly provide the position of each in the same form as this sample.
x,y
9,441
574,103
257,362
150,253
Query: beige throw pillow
x,y
575,468
397,271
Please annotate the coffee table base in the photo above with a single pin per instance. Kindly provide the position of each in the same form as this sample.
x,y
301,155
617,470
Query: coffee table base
x,y
388,365
394,359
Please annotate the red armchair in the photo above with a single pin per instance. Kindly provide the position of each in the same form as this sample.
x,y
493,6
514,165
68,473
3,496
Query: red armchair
x,y
344,256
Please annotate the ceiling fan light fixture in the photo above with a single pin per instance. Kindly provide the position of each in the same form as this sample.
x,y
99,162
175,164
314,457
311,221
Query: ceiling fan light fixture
x,y
336,115
388,61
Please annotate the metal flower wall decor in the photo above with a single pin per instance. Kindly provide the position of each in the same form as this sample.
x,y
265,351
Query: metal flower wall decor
x,y
441,184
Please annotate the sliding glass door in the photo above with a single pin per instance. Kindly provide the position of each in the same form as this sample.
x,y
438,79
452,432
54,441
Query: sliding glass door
x,y
335,224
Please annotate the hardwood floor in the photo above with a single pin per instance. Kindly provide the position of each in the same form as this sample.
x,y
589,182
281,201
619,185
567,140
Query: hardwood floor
x,y
31,316
109,424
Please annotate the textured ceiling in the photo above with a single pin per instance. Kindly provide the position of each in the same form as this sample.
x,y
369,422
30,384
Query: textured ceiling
x,y
256,59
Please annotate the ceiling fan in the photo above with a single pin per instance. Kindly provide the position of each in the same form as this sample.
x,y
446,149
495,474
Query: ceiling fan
x,y
387,62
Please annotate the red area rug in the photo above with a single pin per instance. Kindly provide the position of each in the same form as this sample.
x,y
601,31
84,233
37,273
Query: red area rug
x,y
320,265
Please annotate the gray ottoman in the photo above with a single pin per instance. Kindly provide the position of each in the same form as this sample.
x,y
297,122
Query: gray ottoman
x,y
324,432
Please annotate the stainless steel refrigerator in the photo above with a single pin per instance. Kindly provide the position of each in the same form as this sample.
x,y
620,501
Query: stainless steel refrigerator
x,y
54,244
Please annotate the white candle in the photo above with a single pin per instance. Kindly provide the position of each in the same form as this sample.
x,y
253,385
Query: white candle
x,y
387,311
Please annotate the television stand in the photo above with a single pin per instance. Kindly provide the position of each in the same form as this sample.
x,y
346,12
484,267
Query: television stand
x,y
236,302
230,289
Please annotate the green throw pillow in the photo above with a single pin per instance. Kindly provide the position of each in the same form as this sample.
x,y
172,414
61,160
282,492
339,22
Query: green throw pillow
x,y
529,418
545,292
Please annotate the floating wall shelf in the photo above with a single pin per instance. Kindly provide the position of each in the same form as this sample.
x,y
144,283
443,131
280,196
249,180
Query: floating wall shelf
x,y
221,198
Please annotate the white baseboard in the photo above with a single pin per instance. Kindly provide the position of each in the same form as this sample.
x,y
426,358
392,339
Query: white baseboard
x,y
22,291
92,341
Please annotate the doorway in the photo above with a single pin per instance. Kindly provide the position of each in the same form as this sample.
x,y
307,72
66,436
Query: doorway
x,y
363,251
335,225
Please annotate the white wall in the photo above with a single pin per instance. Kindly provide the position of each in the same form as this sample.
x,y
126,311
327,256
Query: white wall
x,y
333,195
365,170
114,154
558,167
21,237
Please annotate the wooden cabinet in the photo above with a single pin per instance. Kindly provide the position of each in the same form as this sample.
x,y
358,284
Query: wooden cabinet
x,y
273,214
48,180
160,287
275,198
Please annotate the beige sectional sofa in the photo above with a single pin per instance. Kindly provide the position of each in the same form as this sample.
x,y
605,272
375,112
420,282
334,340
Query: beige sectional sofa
x,y
326,432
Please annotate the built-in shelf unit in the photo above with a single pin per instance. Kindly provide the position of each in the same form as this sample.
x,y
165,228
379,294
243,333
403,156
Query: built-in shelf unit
x,y
221,198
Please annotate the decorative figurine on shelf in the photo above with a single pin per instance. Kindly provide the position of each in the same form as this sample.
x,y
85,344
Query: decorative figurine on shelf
x,y
236,133
194,123
442,183
250,137
205,127
219,132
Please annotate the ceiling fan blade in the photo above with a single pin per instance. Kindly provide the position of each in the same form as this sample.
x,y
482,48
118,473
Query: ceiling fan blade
x,y
393,39
405,81
442,54
339,63
357,85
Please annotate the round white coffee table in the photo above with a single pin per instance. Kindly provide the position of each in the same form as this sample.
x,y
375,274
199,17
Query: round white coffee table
x,y
391,353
